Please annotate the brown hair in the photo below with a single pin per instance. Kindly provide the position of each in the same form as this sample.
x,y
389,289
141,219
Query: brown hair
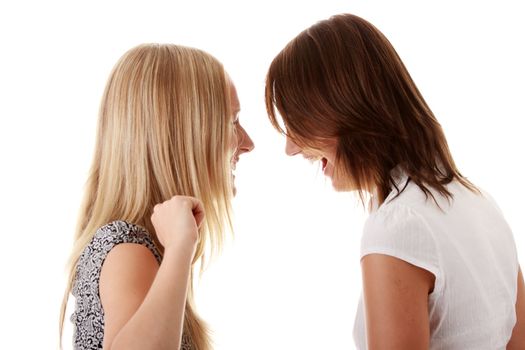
x,y
342,79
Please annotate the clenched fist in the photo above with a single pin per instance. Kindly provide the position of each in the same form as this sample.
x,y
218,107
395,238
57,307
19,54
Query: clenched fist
x,y
177,221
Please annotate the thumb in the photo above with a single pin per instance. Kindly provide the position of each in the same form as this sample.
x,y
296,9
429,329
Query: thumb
x,y
197,209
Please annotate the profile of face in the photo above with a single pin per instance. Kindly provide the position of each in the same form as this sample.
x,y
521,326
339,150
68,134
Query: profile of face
x,y
241,141
326,154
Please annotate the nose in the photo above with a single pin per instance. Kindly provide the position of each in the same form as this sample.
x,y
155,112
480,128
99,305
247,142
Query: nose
x,y
245,143
291,148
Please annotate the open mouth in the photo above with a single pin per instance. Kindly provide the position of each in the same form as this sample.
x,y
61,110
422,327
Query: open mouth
x,y
233,169
324,162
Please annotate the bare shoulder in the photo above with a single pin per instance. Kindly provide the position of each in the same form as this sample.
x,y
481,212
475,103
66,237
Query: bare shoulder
x,y
384,269
126,276
127,262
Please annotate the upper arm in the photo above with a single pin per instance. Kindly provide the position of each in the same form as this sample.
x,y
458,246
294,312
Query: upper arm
x,y
396,303
517,340
126,276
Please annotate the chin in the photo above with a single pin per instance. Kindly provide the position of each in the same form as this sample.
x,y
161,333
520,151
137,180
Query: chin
x,y
341,186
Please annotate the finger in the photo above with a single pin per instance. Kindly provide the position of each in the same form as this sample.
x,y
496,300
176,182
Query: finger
x,y
194,204
156,207
199,217
197,208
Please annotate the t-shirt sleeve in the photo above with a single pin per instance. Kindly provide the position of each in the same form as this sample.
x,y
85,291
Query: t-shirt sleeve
x,y
117,232
400,232
92,258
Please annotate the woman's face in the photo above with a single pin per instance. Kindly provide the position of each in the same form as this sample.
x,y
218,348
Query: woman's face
x,y
326,154
241,141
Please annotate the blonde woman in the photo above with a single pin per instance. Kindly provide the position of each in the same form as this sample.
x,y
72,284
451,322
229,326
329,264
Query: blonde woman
x,y
168,133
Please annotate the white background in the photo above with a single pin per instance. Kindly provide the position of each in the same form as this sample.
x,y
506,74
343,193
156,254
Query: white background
x,y
290,279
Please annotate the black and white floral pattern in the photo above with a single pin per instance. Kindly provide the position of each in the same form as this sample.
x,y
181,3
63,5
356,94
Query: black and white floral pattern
x,y
88,317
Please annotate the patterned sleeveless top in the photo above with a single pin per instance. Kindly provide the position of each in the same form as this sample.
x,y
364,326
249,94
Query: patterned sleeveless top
x,y
88,317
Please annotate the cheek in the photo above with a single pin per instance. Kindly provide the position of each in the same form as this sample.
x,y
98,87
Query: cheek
x,y
331,161
330,168
331,156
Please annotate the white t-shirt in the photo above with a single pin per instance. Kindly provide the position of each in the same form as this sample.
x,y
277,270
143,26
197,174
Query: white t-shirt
x,y
468,246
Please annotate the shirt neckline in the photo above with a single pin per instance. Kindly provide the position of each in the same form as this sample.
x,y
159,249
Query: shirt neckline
x,y
400,178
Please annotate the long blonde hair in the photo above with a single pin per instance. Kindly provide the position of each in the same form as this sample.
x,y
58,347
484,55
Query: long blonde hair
x,y
164,129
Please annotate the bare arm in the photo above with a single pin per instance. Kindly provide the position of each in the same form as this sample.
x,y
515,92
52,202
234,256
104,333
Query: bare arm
x,y
143,303
396,303
136,315
517,340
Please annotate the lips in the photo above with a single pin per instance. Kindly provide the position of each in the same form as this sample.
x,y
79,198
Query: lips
x,y
324,162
